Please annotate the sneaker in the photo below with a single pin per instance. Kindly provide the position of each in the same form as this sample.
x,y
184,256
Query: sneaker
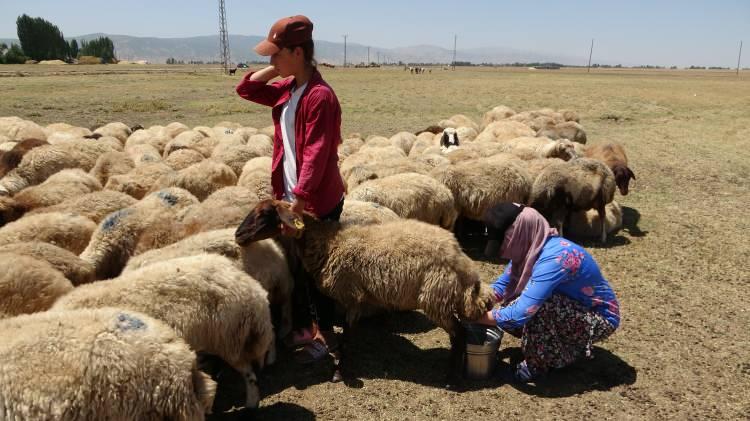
x,y
523,374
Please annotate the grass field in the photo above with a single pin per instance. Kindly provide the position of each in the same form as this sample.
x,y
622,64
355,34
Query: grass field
x,y
679,267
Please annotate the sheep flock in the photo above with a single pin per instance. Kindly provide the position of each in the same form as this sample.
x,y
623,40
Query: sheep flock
x,y
122,267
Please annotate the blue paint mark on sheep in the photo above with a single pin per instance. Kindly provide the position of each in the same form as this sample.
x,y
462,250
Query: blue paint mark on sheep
x,y
127,322
114,218
167,197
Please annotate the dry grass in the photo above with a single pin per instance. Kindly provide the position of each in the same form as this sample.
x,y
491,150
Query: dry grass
x,y
679,266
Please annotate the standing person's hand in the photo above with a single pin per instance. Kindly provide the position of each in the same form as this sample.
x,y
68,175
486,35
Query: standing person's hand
x,y
298,206
265,74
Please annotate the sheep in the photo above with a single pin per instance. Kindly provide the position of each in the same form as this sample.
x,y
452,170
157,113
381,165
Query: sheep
x,y
140,180
449,138
174,129
104,364
357,212
184,140
224,208
499,131
6,145
379,142
256,177
577,185
10,159
411,195
570,115
235,154
183,158
18,129
156,138
40,163
269,131
246,132
28,285
467,134
150,223
65,128
349,146
432,160
399,265
403,140
419,146
541,147
367,155
375,170
60,186
200,179
94,206
143,154
568,130
461,120
262,142
264,260
613,155
70,265
500,112
537,165
118,130
111,163
206,145
479,184
69,231
209,302
587,223
473,151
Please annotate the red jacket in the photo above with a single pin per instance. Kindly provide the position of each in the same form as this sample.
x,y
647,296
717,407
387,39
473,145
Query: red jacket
x,y
317,133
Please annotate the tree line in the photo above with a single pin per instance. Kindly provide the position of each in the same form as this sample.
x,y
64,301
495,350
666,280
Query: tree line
x,y
41,40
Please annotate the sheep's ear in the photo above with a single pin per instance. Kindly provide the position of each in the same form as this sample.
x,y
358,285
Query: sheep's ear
x,y
261,223
444,140
631,173
289,218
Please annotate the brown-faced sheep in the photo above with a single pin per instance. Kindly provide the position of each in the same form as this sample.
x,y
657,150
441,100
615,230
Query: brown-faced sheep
x,y
399,265
10,160
411,195
69,231
216,307
28,285
91,365
70,265
200,179
613,155
150,223
577,185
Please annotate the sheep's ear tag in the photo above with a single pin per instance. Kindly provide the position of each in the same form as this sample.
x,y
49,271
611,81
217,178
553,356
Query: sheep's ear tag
x,y
299,224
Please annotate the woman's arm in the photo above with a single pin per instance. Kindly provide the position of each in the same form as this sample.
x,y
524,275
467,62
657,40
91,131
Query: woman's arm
x,y
255,87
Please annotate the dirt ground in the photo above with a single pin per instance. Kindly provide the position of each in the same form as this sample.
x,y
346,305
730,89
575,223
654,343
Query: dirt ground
x,y
679,266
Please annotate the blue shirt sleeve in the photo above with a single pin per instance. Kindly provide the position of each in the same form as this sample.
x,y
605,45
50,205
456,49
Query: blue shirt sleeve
x,y
546,276
501,282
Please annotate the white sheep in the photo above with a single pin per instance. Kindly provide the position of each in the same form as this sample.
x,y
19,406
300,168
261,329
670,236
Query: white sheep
x,y
588,224
224,208
150,223
19,129
256,177
183,158
187,139
69,231
200,179
70,265
357,212
504,130
403,141
28,285
105,364
216,307
140,180
118,130
94,206
500,112
111,163
568,130
540,147
411,195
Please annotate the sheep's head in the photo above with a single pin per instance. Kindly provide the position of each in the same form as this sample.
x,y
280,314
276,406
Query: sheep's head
x,y
10,210
623,175
266,220
565,150
450,138
477,300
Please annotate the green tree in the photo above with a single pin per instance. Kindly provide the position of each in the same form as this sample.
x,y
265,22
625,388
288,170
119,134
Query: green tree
x,y
102,47
73,48
40,39
15,55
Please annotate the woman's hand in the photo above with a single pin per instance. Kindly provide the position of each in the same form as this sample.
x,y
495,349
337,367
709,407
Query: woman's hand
x,y
487,319
264,75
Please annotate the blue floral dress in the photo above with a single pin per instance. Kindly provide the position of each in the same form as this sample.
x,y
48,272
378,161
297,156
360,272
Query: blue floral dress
x,y
566,306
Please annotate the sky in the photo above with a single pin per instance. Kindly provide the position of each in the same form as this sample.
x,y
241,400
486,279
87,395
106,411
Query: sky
x,y
658,32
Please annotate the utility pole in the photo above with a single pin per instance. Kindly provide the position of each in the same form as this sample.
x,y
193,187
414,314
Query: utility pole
x,y
378,58
223,37
368,56
591,51
738,59
455,38
345,48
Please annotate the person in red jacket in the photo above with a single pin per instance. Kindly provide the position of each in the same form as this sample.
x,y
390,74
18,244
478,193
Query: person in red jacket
x,y
304,170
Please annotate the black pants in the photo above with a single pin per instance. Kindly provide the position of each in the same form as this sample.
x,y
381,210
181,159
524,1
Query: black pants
x,y
308,302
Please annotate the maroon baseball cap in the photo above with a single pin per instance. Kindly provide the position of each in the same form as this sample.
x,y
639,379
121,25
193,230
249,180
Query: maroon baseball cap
x,y
286,32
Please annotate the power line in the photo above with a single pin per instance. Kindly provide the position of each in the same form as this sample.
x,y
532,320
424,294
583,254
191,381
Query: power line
x,y
223,37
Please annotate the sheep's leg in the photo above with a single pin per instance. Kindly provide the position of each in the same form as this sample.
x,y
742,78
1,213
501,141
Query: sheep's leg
x,y
339,355
458,353
602,214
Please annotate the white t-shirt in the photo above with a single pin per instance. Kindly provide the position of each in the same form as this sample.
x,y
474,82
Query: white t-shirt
x,y
287,133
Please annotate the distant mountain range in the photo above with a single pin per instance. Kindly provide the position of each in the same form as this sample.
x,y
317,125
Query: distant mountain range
x,y
206,48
